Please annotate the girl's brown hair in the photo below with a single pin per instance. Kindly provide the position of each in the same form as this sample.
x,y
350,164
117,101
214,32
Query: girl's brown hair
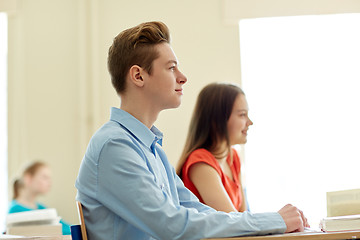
x,y
31,170
208,125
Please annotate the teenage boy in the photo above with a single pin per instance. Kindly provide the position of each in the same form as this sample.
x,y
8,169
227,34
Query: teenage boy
x,y
126,185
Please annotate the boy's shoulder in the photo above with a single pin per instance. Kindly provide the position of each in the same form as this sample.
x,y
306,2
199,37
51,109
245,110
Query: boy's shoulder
x,y
110,131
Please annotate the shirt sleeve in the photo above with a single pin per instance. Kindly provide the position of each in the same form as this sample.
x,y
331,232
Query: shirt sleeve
x,y
128,188
188,199
202,156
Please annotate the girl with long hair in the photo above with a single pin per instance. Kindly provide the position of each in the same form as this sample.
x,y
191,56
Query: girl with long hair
x,y
209,166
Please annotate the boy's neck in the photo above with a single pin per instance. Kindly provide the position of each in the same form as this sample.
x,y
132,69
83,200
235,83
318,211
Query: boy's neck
x,y
141,110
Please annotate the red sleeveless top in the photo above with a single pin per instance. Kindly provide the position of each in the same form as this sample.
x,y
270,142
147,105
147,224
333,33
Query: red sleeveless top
x,y
232,187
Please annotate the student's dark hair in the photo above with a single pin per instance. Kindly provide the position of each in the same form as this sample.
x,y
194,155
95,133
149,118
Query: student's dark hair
x,y
135,46
31,170
208,125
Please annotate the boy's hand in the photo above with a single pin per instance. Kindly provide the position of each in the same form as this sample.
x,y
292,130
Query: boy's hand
x,y
294,218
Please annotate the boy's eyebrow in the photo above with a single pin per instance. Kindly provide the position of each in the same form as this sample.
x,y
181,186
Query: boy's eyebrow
x,y
172,61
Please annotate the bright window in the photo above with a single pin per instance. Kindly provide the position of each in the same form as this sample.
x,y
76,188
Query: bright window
x,y
301,76
3,120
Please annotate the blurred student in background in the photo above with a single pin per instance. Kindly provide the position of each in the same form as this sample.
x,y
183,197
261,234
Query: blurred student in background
x,y
209,166
34,181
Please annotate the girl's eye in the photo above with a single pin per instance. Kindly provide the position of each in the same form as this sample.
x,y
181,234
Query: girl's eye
x,y
172,68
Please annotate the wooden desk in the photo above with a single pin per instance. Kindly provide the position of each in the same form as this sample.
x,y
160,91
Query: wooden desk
x,y
12,237
301,236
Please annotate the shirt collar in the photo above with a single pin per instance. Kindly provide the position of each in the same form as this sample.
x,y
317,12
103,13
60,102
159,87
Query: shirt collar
x,y
137,128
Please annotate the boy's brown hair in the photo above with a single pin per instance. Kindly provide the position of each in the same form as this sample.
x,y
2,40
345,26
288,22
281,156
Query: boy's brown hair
x,y
135,46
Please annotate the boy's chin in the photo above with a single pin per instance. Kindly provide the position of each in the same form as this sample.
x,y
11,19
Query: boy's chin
x,y
175,105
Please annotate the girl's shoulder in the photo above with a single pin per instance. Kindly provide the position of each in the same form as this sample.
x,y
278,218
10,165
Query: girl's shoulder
x,y
201,152
204,156
15,207
41,206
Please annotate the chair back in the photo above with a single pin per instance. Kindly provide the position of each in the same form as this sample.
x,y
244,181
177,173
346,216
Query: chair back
x,y
81,219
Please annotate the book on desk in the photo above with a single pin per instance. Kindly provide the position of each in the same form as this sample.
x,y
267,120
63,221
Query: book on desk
x,y
343,211
44,222
341,223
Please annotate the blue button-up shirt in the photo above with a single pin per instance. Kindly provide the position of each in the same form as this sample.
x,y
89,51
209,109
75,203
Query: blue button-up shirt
x,y
129,190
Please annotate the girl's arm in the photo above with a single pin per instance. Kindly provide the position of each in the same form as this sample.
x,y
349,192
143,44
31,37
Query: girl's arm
x,y
208,183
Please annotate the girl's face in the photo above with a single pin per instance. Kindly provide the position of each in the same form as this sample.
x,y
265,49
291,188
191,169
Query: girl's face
x,y
40,182
239,121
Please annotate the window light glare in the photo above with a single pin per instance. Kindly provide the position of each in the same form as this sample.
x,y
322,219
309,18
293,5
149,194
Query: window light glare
x,y
301,77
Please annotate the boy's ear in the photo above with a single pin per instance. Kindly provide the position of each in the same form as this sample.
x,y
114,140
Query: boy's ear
x,y
135,73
